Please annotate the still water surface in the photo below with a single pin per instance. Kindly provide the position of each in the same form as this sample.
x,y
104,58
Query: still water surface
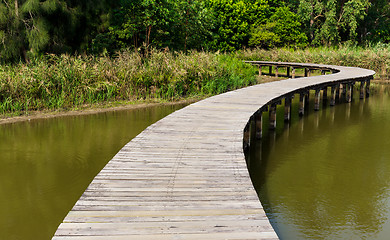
x,y
327,175
47,164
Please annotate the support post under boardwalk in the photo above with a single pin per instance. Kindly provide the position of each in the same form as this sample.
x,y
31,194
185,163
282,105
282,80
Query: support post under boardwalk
x,y
301,104
344,89
307,98
341,91
317,99
260,68
292,72
259,124
246,138
287,109
348,96
337,91
368,88
333,96
272,116
361,90
325,94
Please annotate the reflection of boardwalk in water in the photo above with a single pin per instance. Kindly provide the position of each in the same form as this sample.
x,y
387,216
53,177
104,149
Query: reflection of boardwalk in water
x,y
185,177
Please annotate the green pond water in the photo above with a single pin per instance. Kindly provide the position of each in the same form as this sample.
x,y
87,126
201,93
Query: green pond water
x,y
327,175
47,164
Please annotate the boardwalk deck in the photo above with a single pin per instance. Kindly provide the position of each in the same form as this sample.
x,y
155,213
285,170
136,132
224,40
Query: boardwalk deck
x,y
185,177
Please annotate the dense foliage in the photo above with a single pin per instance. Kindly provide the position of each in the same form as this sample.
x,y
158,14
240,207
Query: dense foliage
x,y
30,28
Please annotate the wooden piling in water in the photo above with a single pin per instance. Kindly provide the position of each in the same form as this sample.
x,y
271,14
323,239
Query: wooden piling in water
x,y
348,95
317,99
287,109
259,124
272,116
344,92
333,93
302,104
368,88
361,89
325,94
246,138
341,90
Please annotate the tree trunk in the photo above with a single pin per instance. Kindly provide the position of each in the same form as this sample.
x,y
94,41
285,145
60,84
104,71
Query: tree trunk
x,y
16,8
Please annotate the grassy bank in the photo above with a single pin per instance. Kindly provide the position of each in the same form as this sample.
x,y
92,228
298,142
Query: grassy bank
x,y
71,82
376,58
65,82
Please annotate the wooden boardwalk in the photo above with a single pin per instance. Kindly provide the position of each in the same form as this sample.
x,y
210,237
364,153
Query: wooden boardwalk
x,y
185,177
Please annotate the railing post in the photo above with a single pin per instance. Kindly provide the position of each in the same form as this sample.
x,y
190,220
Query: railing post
x,y
288,71
270,70
276,71
260,68
307,72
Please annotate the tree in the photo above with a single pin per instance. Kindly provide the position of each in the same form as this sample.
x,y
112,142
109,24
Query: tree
x,y
182,25
193,24
376,25
282,29
330,21
138,22
31,26
233,21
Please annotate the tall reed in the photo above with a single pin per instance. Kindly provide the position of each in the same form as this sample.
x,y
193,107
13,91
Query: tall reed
x,y
375,57
64,82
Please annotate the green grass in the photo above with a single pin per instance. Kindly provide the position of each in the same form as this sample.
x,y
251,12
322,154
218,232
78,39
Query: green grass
x,y
73,82
66,82
376,57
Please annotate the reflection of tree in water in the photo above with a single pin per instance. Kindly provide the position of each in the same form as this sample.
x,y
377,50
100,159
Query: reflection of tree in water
x,y
329,181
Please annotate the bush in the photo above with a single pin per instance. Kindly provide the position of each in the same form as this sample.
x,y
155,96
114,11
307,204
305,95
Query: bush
x,y
282,29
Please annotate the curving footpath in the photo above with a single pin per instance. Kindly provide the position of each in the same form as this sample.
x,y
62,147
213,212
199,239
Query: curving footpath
x,y
185,177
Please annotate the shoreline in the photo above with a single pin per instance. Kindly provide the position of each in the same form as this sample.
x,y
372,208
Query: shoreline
x,y
107,107
47,114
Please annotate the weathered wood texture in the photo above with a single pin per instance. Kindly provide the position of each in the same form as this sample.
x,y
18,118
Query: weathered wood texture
x,y
185,177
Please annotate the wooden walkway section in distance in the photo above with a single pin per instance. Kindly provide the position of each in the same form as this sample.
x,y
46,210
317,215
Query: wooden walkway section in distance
x,y
185,177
